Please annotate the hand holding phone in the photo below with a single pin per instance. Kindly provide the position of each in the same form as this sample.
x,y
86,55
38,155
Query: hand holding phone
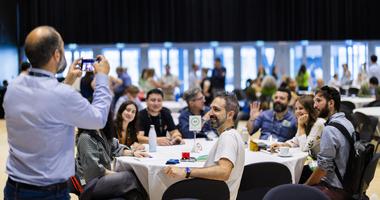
x,y
87,64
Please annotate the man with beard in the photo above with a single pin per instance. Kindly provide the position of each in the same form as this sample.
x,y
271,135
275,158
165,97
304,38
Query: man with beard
x,y
226,159
41,115
334,146
279,123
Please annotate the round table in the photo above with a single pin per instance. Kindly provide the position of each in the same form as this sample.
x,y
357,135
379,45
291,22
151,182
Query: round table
x,y
155,182
358,101
371,111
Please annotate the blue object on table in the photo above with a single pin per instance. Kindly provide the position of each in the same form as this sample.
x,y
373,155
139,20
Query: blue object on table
x,y
172,162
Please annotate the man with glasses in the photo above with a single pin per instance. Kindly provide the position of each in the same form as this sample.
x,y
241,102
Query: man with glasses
x,y
279,123
159,116
225,161
195,106
334,146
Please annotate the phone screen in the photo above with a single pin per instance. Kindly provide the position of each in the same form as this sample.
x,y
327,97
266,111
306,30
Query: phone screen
x,y
87,65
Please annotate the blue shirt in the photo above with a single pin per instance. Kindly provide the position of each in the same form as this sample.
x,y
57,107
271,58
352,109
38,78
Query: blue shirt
x,y
183,124
283,129
40,115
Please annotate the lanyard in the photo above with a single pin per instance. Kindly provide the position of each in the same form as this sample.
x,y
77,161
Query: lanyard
x,y
38,74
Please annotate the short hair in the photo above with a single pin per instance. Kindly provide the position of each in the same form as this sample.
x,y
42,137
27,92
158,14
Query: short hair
x,y
374,58
155,91
40,52
232,103
132,89
284,89
190,94
330,93
218,60
373,80
25,66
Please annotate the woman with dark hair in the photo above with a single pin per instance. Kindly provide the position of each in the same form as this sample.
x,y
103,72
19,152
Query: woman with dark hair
x,y
309,127
96,150
126,125
303,78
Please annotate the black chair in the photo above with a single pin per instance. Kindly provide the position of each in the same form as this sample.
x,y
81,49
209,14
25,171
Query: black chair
x,y
347,107
353,91
295,192
197,189
259,178
373,104
368,175
365,125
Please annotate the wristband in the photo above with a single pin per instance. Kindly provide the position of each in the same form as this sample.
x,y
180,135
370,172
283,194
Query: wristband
x,y
188,171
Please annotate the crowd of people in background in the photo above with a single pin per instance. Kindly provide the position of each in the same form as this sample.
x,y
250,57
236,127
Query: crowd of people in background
x,y
112,121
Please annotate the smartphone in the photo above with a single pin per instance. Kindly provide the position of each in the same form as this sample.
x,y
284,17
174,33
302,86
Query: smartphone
x,y
87,64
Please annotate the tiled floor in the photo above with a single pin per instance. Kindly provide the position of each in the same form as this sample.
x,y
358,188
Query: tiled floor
x,y
373,191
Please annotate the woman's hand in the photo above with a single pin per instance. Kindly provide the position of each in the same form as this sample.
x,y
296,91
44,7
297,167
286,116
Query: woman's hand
x,y
137,146
302,120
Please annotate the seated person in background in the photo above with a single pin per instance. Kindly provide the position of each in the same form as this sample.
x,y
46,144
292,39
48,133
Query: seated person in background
x,y
226,158
130,93
126,125
160,117
195,106
334,82
334,147
96,149
279,122
373,84
377,101
309,127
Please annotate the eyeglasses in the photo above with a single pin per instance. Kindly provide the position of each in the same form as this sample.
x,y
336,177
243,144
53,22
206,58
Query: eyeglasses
x,y
200,98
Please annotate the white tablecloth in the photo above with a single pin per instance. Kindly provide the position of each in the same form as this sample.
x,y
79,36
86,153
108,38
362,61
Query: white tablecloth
x,y
174,106
155,182
371,111
358,101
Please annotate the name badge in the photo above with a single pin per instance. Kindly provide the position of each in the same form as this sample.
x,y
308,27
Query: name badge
x,y
286,123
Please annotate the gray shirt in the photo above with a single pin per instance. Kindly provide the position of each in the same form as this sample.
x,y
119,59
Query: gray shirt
x,y
40,115
334,146
95,154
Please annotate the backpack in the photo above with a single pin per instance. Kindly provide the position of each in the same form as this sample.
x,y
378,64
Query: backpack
x,y
360,155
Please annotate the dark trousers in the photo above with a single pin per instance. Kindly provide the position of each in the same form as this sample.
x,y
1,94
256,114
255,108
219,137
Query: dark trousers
x,y
332,192
119,185
20,191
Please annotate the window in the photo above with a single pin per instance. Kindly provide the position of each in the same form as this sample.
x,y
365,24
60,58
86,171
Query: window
x,y
113,57
69,60
204,58
295,60
130,60
248,64
157,58
268,59
174,61
314,62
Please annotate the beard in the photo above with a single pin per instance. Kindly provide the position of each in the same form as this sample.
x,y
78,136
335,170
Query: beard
x,y
215,122
279,107
62,64
324,112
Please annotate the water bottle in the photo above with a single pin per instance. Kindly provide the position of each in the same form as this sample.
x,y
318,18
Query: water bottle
x,y
152,139
245,136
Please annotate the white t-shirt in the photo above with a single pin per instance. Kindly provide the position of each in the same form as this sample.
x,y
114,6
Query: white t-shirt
x,y
229,146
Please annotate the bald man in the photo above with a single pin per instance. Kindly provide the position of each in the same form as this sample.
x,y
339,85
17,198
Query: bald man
x,y
41,115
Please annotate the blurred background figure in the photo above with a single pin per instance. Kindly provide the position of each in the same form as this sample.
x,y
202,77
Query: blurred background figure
x,y
194,80
24,68
303,78
169,82
218,77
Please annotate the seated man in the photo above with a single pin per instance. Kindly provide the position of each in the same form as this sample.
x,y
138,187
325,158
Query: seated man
x,y
160,117
195,106
226,158
334,146
279,122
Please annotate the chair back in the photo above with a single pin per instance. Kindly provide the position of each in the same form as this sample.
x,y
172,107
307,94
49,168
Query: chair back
x,y
375,103
369,173
365,125
197,188
353,91
347,107
295,192
259,178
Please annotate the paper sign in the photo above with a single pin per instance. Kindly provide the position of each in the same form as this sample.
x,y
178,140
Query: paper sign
x,y
195,123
